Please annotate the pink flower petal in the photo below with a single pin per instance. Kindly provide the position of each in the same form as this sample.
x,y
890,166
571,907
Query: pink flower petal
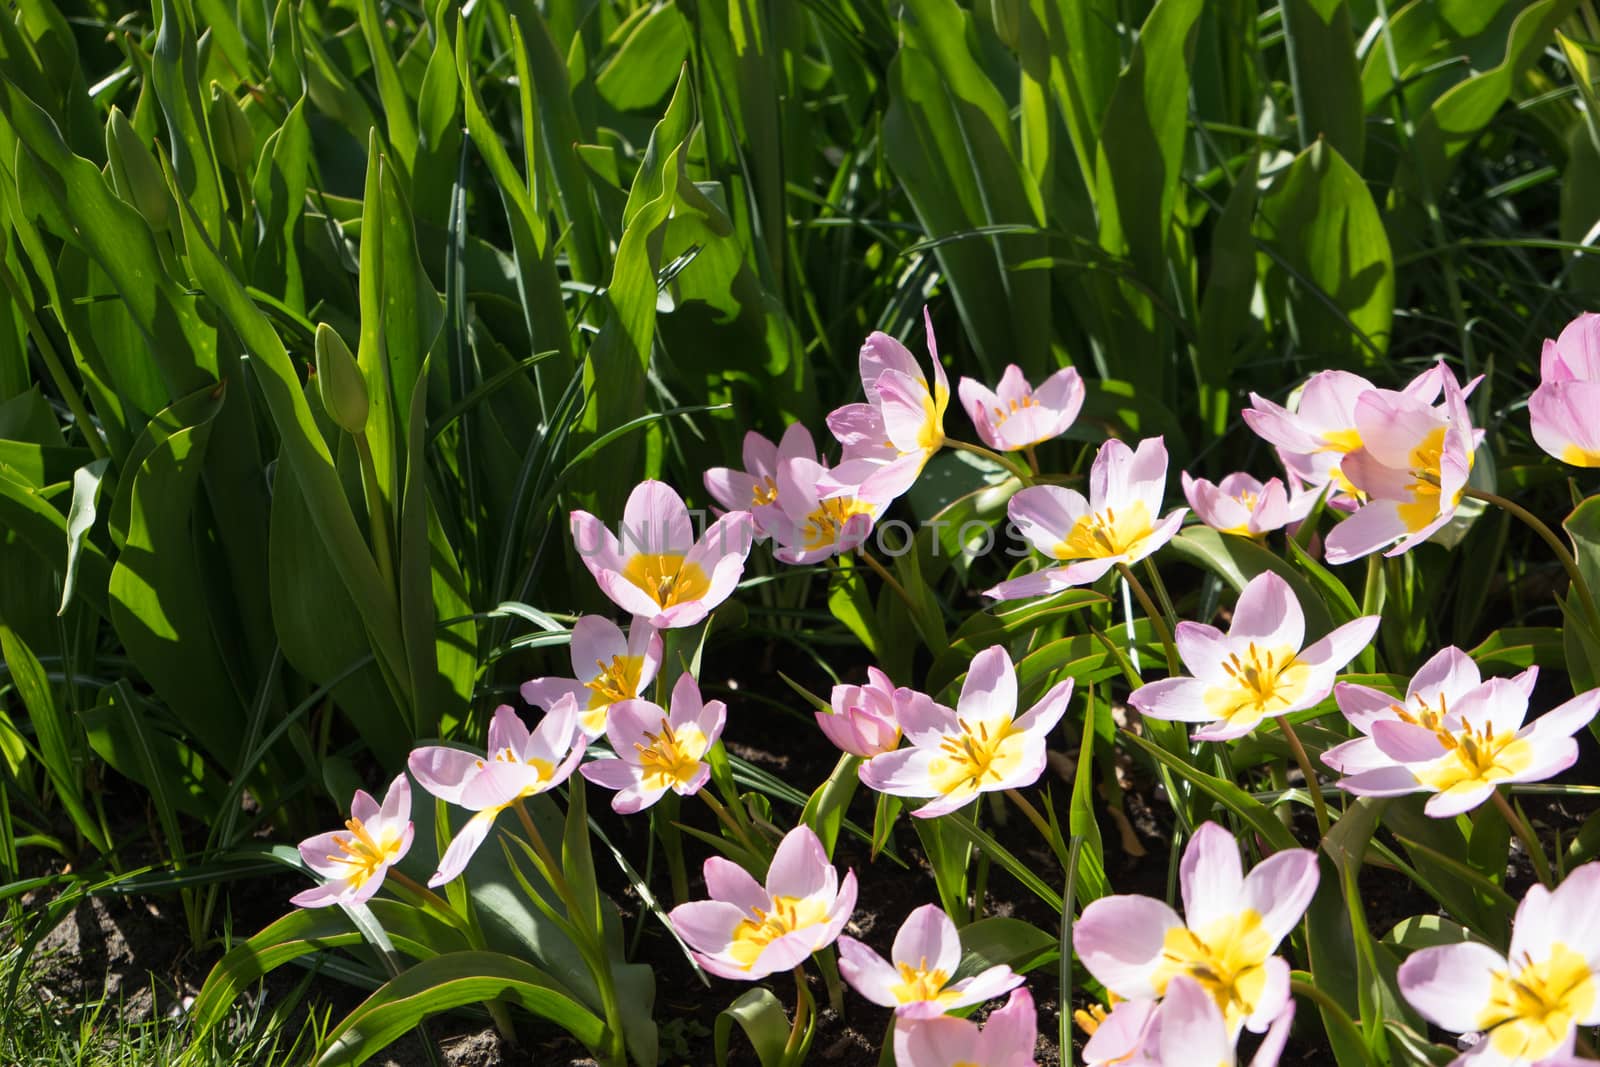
x,y
867,972
1269,614
1211,876
1449,985
1280,889
928,940
1120,938
800,866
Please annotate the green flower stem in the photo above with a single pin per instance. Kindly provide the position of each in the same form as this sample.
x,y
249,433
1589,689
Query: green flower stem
x,y
1310,773
1025,806
1537,526
1157,622
794,1050
1023,474
1530,840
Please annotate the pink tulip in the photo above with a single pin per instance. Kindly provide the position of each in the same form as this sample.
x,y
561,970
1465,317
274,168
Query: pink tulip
x,y
1318,431
865,720
353,862
1463,751
818,517
916,984
1529,1004
1192,1030
1130,1036
609,668
1259,669
755,489
1562,410
658,751
1136,945
1006,1039
1412,466
519,764
1117,524
1015,416
890,438
658,571
980,747
747,931
1239,504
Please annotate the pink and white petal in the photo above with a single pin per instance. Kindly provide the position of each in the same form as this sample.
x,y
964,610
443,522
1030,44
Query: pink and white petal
x,y
1342,645
1577,348
1450,985
322,896
507,731
731,883
760,454
1551,756
1146,476
1174,699
1405,742
1011,1032
989,693
879,353
927,940
1374,526
1274,995
444,772
544,693
1392,425
1464,796
1062,393
498,784
1040,583
462,847
924,721
1279,426
363,806
1231,729
1157,539
941,1042
706,925
944,805
627,596
941,382
734,490
723,967
1043,716
611,773
1203,649
1353,757
1193,1030
597,546
800,866
1498,703
1119,1038
1210,876
839,912
1561,414
635,797
396,808
712,718
903,772
1381,782
655,519
553,738
1120,939
1363,705
1045,514
595,640
1449,671
1280,888
867,972
686,614
784,953
1269,614
1565,916
1271,1048
694,783
904,403
324,856
985,985
1088,571
629,722
1570,717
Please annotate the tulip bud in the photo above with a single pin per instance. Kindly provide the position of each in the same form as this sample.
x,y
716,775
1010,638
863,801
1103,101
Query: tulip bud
x,y
231,133
136,173
339,380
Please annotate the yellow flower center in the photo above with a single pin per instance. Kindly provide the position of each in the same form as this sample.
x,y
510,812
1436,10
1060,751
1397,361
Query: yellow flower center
x,y
1261,683
1090,1018
970,758
1341,441
1474,758
1426,716
671,758
666,578
930,438
1530,1013
1426,503
1001,414
788,914
362,854
615,681
765,492
1227,959
824,525
1108,533
919,983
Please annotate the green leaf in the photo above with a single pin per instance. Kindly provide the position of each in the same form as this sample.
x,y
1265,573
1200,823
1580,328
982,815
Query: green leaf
x,y
761,1016
647,60
1334,281
825,811
1326,78
1252,811
1000,939
1236,560
1091,882
447,981
80,520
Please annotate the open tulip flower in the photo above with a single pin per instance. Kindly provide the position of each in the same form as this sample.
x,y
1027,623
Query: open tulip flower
x,y
1117,524
609,668
1243,505
1529,1005
755,489
520,763
1562,410
865,720
658,751
818,517
1136,945
1015,415
658,571
354,860
915,981
1463,752
981,746
747,931
1256,670
890,438
1006,1039
1318,431
1412,466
